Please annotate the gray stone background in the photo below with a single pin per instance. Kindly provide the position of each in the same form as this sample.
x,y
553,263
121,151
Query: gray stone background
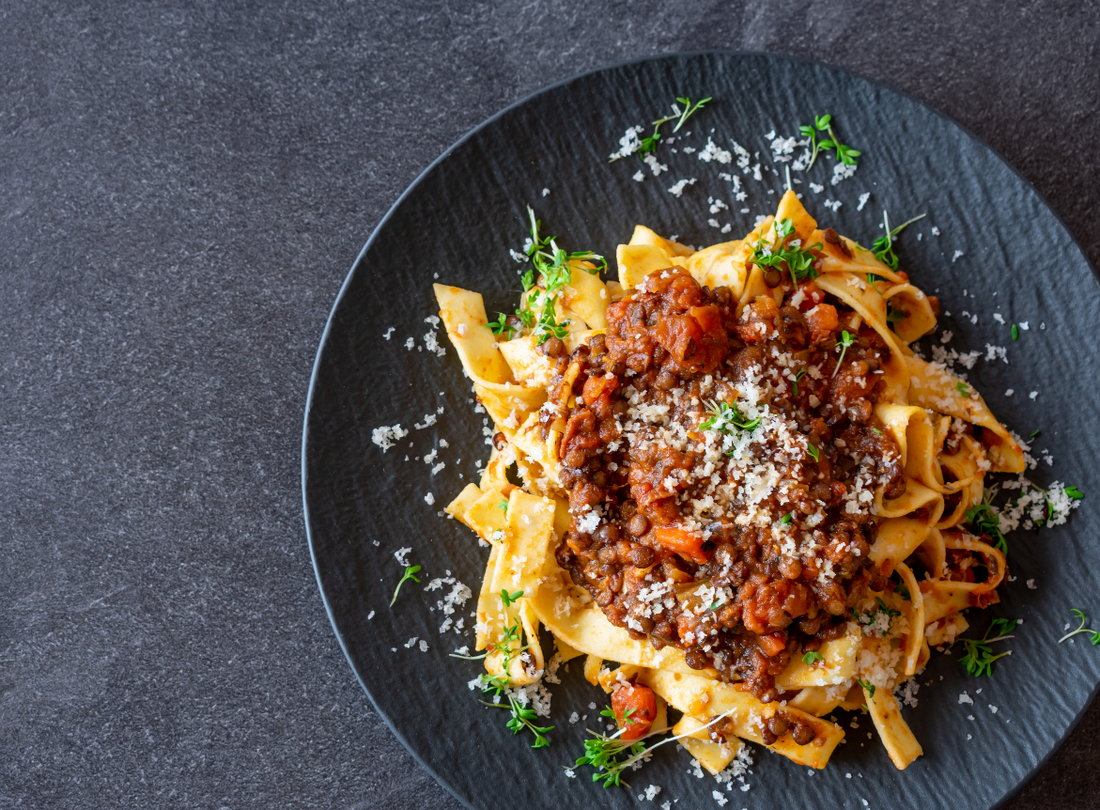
x,y
183,187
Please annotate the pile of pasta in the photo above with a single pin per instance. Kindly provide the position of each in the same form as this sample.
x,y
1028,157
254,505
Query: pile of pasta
x,y
513,382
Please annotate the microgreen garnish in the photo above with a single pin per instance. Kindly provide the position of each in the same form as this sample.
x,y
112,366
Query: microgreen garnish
x,y
1015,332
876,430
984,520
723,417
787,519
679,115
884,245
845,341
883,608
552,265
522,716
1093,635
894,314
812,658
503,505
786,256
1035,434
963,389
979,656
824,123
870,687
813,452
410,573
794,382
603,752
501,325
509,598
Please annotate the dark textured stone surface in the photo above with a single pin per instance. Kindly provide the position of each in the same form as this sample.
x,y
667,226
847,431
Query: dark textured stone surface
x,y
181,192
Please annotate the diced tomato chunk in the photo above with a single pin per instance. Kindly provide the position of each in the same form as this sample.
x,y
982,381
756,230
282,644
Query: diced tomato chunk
x,y
635,710
687,544
823,322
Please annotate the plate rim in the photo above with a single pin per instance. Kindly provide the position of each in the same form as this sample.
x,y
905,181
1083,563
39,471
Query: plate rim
x,y
423,174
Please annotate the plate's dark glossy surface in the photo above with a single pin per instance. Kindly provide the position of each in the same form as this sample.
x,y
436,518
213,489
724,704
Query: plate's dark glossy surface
x,y
459,221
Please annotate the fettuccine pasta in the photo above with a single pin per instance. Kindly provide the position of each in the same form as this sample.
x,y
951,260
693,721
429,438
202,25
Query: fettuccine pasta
x,y
742,491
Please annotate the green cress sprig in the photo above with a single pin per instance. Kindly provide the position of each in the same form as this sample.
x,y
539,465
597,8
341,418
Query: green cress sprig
x,y
812,658
884,245
786,257
1093,635
983,519
870,687
680,115
410,573
845,341
603,752
523,717
824,123
543,283
723,417
979,656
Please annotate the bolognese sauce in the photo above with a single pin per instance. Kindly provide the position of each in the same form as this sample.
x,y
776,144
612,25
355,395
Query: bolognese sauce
x,y
721,467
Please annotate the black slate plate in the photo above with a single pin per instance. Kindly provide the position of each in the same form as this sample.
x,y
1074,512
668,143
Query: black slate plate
x,y
457,223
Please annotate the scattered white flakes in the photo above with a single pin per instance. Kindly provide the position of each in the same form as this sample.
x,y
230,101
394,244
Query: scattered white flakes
x,y
639,175
409,344
863,198
389,332
970,717
833,204
1024,325
629,143
935,231
719,798
402,556
1030,585
386,437
651,792
410,643
1033,394
965,698
573,718
545,192
569,772
994,353
958,254
716,205
370,615
817,188
969,736
712,152
842,172
429,499
783,148
429,420
677,189
655,166
998,318
992,708
423,646
1009,392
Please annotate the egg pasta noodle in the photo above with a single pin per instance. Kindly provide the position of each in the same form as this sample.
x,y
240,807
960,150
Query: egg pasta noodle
x,y
916,568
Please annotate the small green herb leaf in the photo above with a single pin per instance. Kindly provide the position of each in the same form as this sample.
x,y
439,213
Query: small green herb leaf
x,y
812,658
410,573
1093,636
